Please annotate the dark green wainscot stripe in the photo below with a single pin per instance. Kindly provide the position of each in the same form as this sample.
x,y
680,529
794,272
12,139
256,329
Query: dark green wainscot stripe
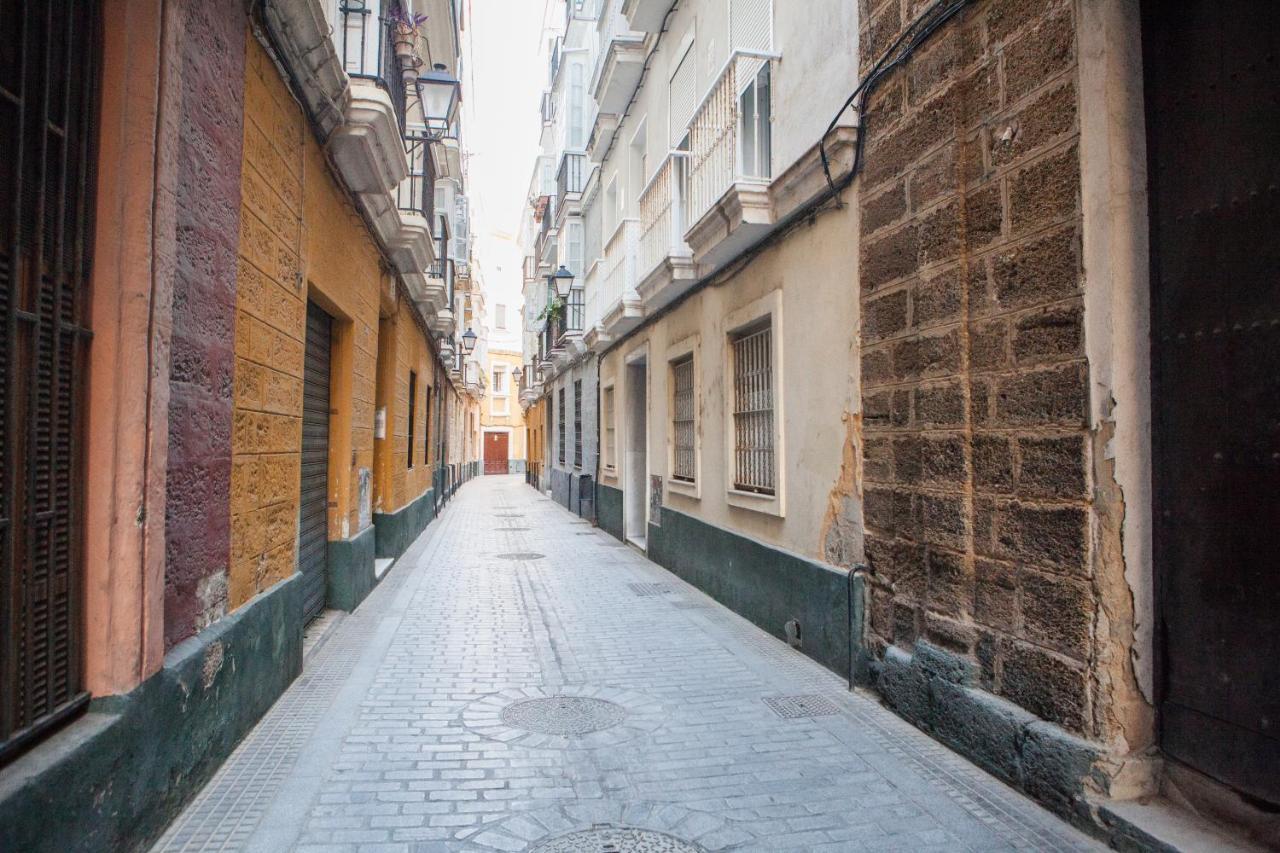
x,y
609,510
113,779
396,531
351,569
767,585
939,692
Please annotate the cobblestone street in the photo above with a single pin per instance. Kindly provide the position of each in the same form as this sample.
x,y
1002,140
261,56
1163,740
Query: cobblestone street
x,y
522,681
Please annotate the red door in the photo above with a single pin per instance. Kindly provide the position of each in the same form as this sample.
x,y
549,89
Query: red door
x,y
495,452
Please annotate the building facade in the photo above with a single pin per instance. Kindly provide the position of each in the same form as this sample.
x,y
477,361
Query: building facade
x,y
891,308
248,364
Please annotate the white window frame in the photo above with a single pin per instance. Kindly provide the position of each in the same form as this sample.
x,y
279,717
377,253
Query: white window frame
x,y
609,429
690,347
768,306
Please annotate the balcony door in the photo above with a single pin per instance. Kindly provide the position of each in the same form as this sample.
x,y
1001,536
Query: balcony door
x,y
636,460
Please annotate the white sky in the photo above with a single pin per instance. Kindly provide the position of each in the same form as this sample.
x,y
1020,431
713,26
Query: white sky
x,y
503,78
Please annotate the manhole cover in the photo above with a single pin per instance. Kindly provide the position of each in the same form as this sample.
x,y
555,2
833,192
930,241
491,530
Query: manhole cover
x,y
621,839
522,555
513,529
650,588
565,716
796,707
508,515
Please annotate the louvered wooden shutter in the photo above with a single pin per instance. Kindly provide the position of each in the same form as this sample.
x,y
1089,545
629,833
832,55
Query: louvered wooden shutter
x,y
684,97
47,70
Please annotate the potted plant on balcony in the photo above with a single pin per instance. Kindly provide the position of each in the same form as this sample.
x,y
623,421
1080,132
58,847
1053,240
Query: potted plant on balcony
x,y
404,30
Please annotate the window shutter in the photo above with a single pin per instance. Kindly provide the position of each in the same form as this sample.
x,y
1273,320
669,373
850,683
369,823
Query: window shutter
x,y
684,97
751,24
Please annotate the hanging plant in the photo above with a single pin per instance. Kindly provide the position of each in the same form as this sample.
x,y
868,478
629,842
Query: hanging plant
x,y
554,310
405,26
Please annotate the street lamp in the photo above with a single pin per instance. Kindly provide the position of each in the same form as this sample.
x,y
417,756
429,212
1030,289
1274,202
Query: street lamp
x,y
438,94
562,279
516,374
469,340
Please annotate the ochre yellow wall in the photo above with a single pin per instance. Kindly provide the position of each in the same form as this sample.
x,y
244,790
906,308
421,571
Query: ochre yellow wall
x,y
404,347
299,238
514,419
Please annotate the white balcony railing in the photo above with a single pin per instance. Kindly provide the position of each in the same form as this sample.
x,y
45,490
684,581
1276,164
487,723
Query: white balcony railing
x,y
729,134
618,281
662,214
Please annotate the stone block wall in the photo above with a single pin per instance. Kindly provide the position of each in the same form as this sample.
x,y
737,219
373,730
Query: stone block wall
x,y
412,353
271,312
975,383
207,209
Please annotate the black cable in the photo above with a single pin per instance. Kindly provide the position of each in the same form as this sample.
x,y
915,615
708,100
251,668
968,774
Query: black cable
x,y
895,55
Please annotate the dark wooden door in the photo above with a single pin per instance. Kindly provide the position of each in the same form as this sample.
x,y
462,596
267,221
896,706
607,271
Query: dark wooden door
x,y
313,505
1213,118
47,73
496,446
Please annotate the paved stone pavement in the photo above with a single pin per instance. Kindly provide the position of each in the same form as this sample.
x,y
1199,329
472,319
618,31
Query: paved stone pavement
x,y
522,681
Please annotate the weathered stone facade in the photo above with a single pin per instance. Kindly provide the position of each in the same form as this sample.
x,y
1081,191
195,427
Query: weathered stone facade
x,y
207,213
977,453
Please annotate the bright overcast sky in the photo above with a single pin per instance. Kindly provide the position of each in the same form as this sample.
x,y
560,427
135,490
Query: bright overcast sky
x,y
501,86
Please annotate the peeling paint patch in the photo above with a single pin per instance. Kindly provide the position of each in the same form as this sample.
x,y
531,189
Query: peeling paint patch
x,y
213,658
842,532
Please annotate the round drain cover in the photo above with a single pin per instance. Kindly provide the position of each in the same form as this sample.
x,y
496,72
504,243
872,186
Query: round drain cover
x,y
522,555
565,716
621,839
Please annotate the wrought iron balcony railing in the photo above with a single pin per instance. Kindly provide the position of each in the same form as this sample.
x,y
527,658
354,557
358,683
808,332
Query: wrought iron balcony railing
x,y
416,193
662,213
366,36
571,177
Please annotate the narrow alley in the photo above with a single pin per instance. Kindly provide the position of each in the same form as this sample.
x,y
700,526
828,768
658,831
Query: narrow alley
x,y
523,681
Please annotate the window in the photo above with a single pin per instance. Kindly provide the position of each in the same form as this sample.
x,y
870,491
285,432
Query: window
x,y
413,394
753,450
499,380
683,428
754,115
610,432
500,316
426,427
577,424
560,424
577,112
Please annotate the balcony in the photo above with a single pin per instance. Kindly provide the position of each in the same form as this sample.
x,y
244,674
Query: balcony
x,y
602,133
367,147
548,108
412,249
570,180
730,160
646,16
621,64
665,265
616,308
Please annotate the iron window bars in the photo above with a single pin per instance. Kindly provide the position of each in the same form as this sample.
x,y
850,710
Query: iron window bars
x,y
684,461
577,424
560,424
753,450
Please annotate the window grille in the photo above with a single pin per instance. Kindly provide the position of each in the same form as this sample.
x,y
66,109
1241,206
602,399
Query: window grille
x,y
753,450
413,395
682,421
610,432
560,424
577,424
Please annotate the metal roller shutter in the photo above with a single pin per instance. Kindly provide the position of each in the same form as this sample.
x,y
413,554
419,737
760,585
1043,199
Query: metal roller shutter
x,y
313,505
684,97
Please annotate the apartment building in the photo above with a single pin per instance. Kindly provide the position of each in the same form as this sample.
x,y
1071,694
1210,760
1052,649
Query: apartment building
x,y
563,371
250,371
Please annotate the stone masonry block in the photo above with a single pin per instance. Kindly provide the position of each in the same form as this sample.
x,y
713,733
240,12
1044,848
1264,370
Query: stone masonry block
x,y
993,463
1052,334
996,595
938,406
937,299
1045,270
1046,50
1045,192
987,729
1048,685
1052,467
1053,536
1056,396
927,356
1045,120
951,583
884,209
885,317
1058,613
890,257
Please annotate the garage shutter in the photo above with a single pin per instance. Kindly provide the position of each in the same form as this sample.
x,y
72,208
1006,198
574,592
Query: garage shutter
x,y
313,504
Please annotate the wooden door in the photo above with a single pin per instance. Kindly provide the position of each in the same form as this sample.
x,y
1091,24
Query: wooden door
x,y
496,449
1213,122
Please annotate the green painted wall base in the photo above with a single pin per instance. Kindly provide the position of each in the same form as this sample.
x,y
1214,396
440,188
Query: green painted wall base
x,y
765,584
351,569
113,779
397,530
609,510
